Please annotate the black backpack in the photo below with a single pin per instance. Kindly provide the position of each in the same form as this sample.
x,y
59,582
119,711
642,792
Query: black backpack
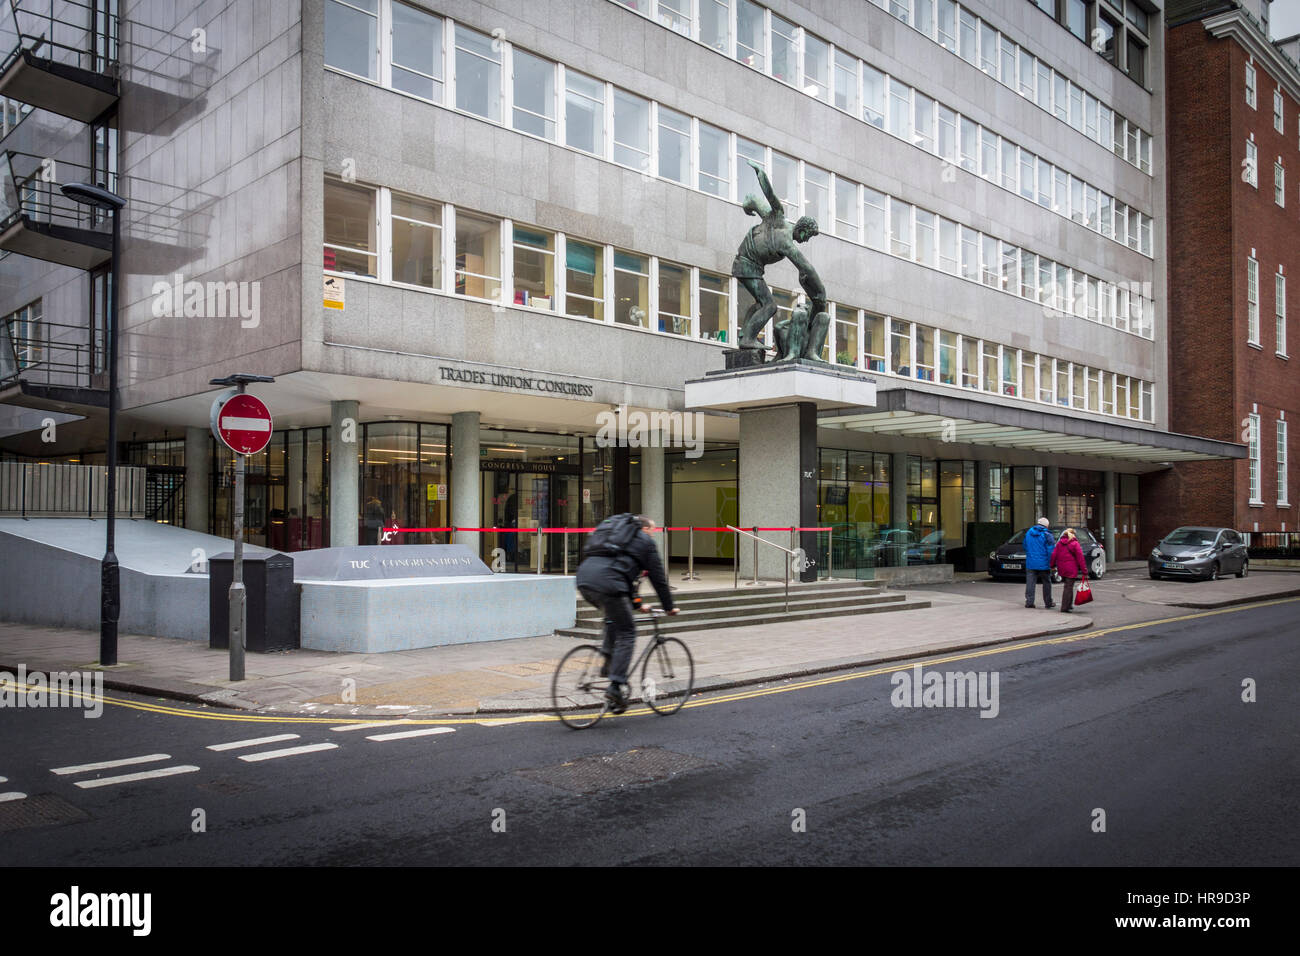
x,y
612,537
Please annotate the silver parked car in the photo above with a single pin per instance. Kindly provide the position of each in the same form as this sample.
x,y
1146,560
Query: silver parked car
x,y
1204,553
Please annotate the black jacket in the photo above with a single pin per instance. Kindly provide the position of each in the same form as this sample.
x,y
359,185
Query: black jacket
x,y
618,575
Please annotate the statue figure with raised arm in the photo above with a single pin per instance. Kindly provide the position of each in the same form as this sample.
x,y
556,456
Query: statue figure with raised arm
x,y
772,240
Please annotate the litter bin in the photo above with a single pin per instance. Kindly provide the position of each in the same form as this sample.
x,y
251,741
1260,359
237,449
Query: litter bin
x,y
272,601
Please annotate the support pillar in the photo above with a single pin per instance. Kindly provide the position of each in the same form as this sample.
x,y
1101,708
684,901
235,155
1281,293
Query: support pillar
x,y
466,483
345,473
778,485
198,478
1108,514
652,493
1051,493
983,490
898,489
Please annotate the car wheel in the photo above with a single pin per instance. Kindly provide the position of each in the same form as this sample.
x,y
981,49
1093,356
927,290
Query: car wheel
x,y
1098,568
1245,568
1214,572
1154,576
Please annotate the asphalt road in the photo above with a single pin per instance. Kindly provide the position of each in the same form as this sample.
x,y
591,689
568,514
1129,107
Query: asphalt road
x,y
1145,724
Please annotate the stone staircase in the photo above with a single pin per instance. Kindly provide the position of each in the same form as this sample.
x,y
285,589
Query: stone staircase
x,y
745,606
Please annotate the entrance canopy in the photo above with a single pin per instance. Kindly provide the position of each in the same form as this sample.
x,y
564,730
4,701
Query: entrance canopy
x,y
917,414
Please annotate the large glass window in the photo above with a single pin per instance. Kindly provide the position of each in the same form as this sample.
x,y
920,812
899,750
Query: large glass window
x,y
846,336
948,358
925,249
750,42
846,209
785,46
846,82
715,24
715,156
900,109
924,353
873,208
478,74
352,36
947,134
417,52
923,121
816,66
714,305
631,130
584,280
816,194
584,115
873,341
350,229
478,256
900,347
1279,309
534,87
674,298
631,289
970,359
534,267
948,247
674,145
900,228
873,96
785,180
1252,301
417,242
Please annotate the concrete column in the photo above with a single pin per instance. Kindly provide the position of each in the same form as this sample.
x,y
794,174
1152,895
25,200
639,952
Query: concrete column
x,y
898,489
652,492
983,474
777,484
345,473
1108,514
1051,492
466,486
198,476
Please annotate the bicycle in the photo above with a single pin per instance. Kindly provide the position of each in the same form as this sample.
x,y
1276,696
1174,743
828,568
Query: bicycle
x,y
667,676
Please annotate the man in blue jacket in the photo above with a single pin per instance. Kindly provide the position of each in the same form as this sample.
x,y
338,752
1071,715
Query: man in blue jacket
x,y
1038,562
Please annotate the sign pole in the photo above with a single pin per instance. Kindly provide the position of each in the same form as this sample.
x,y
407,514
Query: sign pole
x,y
242,423
238,604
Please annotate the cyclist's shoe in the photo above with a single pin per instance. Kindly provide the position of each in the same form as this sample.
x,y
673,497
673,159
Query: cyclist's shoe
x,y
617,697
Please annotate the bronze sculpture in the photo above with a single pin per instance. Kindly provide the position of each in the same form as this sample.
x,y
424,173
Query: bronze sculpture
x,y
774,239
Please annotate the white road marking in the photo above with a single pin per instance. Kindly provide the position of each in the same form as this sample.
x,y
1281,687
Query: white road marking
x,y
255,742
370,725
287,752
402,735
132,777
106,764
15,795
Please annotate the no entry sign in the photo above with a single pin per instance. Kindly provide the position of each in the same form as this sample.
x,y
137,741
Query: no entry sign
x,y
242,422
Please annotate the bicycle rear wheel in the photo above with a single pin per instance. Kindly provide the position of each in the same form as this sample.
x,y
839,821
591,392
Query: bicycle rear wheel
x,y
667,676
577,689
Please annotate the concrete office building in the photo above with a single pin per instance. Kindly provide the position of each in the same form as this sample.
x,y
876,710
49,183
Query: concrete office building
x,y
461,234
1234,171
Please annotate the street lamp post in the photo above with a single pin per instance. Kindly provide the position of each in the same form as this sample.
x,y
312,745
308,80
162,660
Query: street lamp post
x,y
110,598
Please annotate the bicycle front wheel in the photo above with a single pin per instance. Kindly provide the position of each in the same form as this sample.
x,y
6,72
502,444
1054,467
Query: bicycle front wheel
x,y
667,676
577,689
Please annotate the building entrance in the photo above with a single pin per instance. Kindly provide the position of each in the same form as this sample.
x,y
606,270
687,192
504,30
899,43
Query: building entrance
x,y
528,500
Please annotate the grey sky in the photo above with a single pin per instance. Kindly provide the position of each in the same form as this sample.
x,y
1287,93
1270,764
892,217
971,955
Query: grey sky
x,y
1284,18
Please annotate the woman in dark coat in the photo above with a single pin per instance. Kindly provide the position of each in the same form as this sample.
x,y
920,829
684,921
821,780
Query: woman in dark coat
x,y
1067,557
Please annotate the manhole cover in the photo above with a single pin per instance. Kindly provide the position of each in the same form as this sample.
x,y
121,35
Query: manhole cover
x,y
39,810
610,771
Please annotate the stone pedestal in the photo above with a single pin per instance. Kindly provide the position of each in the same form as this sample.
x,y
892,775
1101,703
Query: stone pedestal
x,y
778,403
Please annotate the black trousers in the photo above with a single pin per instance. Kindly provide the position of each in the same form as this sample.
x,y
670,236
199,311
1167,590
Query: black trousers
x,y
620,629
1067,592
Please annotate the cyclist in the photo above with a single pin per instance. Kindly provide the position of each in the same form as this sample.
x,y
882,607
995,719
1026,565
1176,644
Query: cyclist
x,y
610,582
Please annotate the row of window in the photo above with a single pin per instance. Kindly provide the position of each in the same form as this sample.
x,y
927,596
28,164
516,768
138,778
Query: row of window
x,y
1252,307
773,45
442,248
1279,102
1253,444
1104,29
549,100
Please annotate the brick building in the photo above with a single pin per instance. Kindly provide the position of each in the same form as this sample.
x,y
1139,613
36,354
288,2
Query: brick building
x,y
1234,248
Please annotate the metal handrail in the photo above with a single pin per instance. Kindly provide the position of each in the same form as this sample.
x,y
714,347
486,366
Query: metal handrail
x,y
757,539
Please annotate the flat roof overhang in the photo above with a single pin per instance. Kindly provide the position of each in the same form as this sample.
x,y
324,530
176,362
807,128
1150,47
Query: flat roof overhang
x,y
58,87
916,414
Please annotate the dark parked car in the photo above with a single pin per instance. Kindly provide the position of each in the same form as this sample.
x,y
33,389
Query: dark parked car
x,y
1007,563
1204,553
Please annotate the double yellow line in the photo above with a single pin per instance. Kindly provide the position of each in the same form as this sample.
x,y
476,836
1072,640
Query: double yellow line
x,y
722,698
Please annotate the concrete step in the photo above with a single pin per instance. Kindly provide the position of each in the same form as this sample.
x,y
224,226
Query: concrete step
x,y
763,602
685,623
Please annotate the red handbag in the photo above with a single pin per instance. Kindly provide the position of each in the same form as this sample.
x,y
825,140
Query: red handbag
x,y
1083,594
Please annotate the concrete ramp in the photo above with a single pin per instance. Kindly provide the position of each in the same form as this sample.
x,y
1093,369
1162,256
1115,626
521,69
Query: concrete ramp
x,y
50,574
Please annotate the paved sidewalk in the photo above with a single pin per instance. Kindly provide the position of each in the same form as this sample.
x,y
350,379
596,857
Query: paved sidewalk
x,y
514,676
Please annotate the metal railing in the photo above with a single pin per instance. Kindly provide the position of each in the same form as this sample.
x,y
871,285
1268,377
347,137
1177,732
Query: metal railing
x,y
756,539
31,189
68,32
1272,544
49,353
57,489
